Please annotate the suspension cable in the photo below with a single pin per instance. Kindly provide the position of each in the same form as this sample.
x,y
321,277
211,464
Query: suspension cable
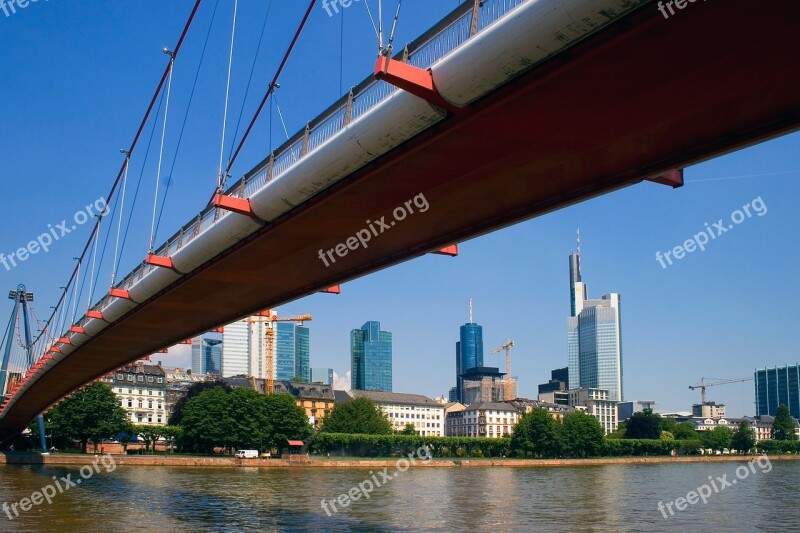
x,y
280,115
110,196
272,85
374,26
76,297
221,177
94,262
120,213
161,149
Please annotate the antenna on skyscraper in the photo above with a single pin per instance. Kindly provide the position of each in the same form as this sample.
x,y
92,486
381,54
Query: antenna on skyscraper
x,y
470,310
578,236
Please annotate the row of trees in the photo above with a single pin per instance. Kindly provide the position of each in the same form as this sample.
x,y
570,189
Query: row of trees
x,y
577,434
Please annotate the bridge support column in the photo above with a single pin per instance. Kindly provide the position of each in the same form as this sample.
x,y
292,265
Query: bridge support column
x,y
673,178
42,436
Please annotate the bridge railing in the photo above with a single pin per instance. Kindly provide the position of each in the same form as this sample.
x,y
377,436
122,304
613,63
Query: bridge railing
x,y
450,33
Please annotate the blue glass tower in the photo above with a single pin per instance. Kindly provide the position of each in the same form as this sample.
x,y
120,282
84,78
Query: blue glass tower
x,y
371,358
469,352
776,386
292,352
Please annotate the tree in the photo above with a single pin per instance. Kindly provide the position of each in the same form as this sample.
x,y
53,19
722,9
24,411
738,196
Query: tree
x,y
205,420
194,390
744,439
408,430
288,421
644,425
359,415
783,427
537,433
298,379
582,434
685,431
90,414
248,425
150,435
718,438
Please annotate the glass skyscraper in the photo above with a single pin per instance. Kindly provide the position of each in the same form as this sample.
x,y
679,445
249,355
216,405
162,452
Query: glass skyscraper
x,y
594,338
207,354
371,358
291,352
469,353
776,386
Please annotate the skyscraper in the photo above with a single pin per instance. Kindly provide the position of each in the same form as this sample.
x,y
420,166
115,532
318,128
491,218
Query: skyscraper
x,y
244,349
207,354
322,375
594,337
371,358
469,352
776,386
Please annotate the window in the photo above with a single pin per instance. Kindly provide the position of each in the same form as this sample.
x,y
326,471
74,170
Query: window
x,y
141,391
141,378
149,379
130,377
130,403
159,380
121,376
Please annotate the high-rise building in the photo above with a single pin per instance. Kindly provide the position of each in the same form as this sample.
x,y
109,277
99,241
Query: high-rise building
x,y
292,352
778,386
244,349
207,354
594,337
322,375
559,381
469,352
371,358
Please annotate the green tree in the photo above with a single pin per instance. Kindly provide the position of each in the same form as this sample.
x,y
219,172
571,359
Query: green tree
x,y
744,439
298,379
718,438
288,421
150,435
644,425
248,425
90,414
206,421
783,427
582,434
359,415
408,430
538,434
194,390
685,431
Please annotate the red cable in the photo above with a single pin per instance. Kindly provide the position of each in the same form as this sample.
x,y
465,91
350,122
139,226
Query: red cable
x,y
271,85
130,152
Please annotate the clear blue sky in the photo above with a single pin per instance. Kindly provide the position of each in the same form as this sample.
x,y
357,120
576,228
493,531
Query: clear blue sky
x,y
76,78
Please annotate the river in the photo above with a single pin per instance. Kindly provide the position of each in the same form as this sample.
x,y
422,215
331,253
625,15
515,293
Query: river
x,y
497,499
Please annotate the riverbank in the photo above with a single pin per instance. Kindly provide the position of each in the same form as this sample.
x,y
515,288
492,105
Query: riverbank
x,y
303,461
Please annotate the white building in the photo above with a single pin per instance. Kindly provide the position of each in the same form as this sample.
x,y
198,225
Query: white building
x,y
141,391
244,348
597,403
486,419
426,415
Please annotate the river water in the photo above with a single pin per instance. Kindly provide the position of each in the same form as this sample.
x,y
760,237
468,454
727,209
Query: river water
x,y
501,499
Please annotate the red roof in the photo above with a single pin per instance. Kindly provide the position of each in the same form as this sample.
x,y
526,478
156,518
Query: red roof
x,y
295,443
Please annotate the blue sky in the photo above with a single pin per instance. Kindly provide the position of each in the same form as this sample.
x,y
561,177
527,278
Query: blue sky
x,y
76,79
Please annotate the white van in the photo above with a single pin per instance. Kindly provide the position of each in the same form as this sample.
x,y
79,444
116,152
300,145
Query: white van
x,y
247,454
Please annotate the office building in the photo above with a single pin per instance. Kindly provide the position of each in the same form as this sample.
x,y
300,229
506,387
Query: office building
x,y
486,384
594,337
426,415
708,410
207,354
778,386
469,352
598,403
559,381
244,349
322,375
371,358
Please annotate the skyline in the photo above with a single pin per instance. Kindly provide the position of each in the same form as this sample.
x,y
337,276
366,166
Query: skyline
x,y
717,313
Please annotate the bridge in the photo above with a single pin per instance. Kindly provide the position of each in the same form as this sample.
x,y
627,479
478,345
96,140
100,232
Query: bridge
x,y
505,110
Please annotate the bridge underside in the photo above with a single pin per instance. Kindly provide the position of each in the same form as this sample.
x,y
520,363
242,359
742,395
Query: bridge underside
x,y
645,96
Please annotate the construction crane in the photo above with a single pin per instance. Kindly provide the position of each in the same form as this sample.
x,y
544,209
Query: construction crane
x,y
703,384
507,347
270,333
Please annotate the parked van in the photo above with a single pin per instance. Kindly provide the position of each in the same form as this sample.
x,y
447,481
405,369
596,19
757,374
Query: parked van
x,y
247,454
